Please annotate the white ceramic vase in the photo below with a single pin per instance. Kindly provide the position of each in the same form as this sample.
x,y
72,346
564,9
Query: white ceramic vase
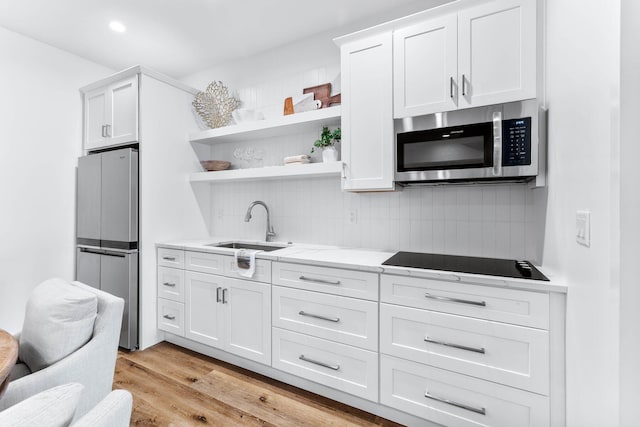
x,y
329,154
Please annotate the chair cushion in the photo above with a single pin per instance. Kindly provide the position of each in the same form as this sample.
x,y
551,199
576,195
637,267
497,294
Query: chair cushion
x,y
58,320
19,370
52,408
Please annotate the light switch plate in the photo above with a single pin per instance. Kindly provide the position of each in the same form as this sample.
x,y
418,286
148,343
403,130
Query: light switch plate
x,y
583,228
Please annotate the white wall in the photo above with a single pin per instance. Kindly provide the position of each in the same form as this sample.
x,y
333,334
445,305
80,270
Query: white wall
x,y
40,139
629,214
582,93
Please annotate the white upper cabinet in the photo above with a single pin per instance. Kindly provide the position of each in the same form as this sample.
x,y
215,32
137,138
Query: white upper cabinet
x,y
425,61
367,116
497,52
111,114
477,56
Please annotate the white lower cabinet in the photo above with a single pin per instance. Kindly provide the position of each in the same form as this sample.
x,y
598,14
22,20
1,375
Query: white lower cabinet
x,y
508,354
456,400
343,367
171,316
456,352
345,320
230,314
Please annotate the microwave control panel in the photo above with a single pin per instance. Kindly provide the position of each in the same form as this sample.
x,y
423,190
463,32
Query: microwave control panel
x,y
516,142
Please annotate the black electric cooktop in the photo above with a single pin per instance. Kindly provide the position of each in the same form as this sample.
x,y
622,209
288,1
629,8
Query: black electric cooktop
x,y
467,264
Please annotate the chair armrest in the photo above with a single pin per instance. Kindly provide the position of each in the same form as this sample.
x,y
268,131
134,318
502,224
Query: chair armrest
x,y
113,411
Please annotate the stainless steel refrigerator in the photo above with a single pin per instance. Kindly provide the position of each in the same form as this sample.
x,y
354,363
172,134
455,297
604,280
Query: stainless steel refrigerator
x,y
107,230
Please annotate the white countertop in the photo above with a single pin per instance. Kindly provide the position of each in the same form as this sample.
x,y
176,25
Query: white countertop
x,y
362,259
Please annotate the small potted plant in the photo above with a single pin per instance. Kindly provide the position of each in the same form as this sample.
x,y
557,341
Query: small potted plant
x,y
327,142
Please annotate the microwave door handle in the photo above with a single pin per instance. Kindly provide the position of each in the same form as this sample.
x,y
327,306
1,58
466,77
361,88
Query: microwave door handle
x,y
497,143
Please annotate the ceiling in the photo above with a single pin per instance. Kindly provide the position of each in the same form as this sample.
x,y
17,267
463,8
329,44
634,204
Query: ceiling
x,y
181,37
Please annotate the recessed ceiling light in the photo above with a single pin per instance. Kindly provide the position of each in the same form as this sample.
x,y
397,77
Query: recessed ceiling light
x,y
118,27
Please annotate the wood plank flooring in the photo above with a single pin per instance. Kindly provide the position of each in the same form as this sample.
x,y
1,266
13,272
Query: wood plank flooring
x,y
172,386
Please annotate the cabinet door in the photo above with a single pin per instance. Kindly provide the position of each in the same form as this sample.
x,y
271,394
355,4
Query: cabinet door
x,y
123,123
95,119
497,52
204,308
425,67
367,116
248,319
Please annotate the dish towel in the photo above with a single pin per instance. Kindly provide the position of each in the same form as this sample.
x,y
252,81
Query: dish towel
x,y
245,262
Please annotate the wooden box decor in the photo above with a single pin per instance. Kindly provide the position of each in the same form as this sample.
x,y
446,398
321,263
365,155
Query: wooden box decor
x,y
323,93
215,105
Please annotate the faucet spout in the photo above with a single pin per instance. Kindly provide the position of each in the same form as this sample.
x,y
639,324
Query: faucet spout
x,y
270,233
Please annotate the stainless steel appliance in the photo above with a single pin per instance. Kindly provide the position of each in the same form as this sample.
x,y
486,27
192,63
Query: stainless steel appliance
x,y
107,230
497,142
519,269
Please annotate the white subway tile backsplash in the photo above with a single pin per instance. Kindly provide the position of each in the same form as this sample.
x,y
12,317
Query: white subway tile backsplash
x,y
445,219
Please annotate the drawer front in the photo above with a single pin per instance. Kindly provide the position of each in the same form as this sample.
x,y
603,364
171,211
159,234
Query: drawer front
x,y
262,271
171,284
483,302
346,320
204,262
348,369
349,283
456,400
171,316
507,354
171,257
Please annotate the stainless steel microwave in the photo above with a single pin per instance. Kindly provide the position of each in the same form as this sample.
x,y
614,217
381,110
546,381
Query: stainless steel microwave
x,y
495,143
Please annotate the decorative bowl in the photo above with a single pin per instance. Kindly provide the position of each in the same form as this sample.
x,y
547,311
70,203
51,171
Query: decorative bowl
x,y
215,165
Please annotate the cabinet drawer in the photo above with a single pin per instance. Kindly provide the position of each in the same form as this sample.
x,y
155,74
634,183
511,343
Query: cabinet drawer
x,y
262,272
346,320
457,400
171,316
500,304
507,354
339,366
349,283
204,262
171,257
171,284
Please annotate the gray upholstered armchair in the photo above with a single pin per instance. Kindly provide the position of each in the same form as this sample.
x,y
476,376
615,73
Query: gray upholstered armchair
x,y
91,365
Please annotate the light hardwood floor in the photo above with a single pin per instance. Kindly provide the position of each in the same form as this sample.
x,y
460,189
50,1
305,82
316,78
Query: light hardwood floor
x,y
172,386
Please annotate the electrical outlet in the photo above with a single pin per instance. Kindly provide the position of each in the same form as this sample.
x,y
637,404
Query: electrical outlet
x,y
353,216
583,228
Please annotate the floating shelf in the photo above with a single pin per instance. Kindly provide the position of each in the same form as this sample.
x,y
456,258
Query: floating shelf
x,y
309,170
283,125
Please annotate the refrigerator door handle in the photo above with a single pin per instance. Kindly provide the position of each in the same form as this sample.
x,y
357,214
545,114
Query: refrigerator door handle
x,y
116,254
92,251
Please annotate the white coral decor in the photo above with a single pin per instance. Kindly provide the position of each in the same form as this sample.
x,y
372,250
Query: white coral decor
x,y
215,105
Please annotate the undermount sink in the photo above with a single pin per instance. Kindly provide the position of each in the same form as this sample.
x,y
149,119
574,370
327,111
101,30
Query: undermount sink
x,y
267,247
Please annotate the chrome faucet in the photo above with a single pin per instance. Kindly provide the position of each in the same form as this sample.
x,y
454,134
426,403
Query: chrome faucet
x,y
247,217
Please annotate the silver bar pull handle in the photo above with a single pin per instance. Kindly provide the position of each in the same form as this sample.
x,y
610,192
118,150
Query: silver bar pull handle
x,y
107,131
497,143
312,279
169,258
461,347
480,411
103,132
166,316
224,295
169,284
461,301
316,362
451,87
464,86
344,170
218,289
318,316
